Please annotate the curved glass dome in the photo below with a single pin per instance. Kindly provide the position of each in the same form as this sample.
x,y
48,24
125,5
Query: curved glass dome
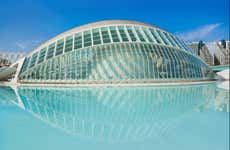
x,y
113,52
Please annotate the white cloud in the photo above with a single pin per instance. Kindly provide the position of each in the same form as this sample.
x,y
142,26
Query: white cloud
x,y
26,45
21,45
205,32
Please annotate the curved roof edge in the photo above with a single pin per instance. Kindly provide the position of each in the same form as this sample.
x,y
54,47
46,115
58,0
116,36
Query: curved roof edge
x,y
88,26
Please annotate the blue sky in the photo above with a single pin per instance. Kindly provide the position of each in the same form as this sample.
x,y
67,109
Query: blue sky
x,y
24,24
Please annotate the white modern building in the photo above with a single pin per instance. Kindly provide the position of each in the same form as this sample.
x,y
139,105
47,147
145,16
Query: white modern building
x,y
114,51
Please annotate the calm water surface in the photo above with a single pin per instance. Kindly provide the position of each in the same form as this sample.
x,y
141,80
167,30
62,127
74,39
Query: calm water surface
x,y
192,117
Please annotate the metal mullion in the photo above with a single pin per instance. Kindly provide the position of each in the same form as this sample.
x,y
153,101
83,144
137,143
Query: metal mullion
x,y
73,42
141,53
158,57
174,43
126,69
55,49
131,62
137,54
118,34
116,65
166,54
183,62
166,39
63,48
132,54
172,59
135,34
186,63
147,35
162,58
178,42
151,35
178,62
147,54
82,40
127,55
99,31
103,54
110,36
91,36
147,57
127,34
112,62
121,46
143,34
159,37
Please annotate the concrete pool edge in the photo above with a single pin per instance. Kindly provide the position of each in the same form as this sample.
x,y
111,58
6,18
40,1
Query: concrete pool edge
x,y
106,84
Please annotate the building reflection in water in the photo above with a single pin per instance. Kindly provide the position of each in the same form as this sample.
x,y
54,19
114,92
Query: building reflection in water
x,y
118,114
221,102
7,95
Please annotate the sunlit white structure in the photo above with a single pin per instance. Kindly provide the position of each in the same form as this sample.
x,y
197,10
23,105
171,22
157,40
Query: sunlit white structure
x,y
114,51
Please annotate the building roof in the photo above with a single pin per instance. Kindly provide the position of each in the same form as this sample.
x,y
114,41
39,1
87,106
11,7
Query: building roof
x,y
90,26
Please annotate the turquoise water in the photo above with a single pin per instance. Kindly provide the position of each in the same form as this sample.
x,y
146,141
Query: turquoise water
x,y
131,118
220,68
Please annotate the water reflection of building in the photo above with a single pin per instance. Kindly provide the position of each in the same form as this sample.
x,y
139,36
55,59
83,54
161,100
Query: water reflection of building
x,y
117,114
114,113
222,101
7,95
219,101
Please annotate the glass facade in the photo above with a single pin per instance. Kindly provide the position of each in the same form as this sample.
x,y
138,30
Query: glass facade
x,y
115,54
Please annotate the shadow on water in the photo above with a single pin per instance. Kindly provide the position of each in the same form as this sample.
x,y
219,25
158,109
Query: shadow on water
x,y
117,114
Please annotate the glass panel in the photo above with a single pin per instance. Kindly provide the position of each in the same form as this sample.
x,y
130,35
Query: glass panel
x,y
147,35
60,46
33,59
123,34
131,34
105,35
69,43
42,55
162,37
50,52
96,37
78,41
87,38
25,64
114,34
113,63
169,39
142,39
155,36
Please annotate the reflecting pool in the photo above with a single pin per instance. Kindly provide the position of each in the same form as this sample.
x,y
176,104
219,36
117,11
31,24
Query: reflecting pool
x,y
151,117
